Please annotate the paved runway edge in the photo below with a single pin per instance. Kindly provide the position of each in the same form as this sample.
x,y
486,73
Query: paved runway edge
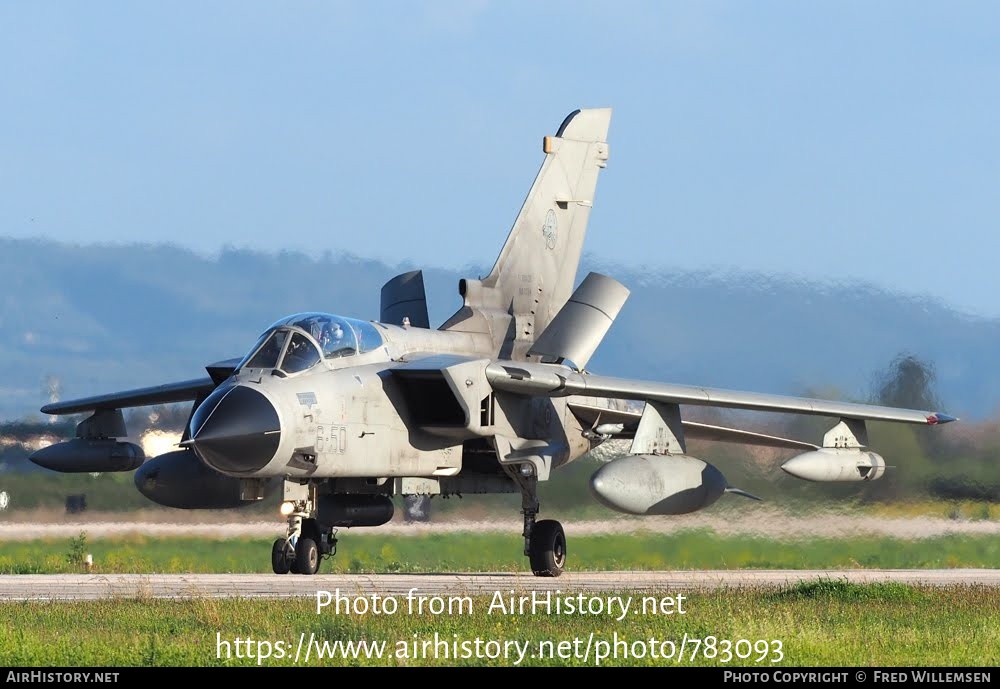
x,y
70,587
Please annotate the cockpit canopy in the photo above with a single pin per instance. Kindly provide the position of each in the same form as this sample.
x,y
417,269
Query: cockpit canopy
x,y
300,341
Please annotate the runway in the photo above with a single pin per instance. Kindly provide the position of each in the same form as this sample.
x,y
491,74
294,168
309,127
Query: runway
x,y
72,587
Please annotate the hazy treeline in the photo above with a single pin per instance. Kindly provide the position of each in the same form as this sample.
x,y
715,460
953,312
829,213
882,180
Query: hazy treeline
x,y
83,320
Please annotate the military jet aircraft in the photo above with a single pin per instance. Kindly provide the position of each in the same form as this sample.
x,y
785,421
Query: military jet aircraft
x,y
343,413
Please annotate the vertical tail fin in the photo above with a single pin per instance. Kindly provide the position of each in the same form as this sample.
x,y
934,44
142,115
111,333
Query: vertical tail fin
x,y
536,270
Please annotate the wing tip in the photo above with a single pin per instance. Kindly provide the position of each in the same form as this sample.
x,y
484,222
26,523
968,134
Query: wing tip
x,y
938,418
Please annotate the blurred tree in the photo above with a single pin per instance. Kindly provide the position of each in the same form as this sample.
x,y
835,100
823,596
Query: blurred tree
x,y
907,382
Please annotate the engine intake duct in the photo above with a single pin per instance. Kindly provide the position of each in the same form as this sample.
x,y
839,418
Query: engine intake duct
x,y
430,400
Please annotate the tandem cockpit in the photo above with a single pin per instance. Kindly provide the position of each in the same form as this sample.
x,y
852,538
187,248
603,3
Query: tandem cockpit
x,y
299,342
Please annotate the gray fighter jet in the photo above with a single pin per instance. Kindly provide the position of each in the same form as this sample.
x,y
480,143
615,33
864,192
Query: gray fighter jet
x,y
341,414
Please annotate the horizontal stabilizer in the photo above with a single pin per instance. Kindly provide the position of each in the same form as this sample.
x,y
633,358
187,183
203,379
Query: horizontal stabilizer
x,y
578,328
404,300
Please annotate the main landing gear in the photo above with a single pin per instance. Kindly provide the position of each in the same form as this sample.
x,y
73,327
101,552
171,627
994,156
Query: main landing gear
x,y
545,540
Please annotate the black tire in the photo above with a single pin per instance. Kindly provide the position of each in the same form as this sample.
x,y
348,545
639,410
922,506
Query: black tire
x,y
547,548
282,556
306,556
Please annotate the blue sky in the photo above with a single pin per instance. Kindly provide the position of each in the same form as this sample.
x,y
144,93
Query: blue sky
x,y
848,141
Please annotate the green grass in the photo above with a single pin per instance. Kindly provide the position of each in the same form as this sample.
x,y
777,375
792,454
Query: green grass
x,y
824,623
828,623
844,591
464,552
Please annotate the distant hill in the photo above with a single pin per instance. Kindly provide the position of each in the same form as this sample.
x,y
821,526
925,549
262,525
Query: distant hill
x,y
80,320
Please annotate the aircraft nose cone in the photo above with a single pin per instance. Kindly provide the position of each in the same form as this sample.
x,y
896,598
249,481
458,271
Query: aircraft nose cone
x,y
236,430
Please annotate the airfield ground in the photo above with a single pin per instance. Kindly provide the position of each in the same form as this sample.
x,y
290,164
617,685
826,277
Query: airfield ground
x,y
760,521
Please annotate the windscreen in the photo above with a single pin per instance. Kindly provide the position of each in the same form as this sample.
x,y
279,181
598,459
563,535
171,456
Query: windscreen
x,y
266,354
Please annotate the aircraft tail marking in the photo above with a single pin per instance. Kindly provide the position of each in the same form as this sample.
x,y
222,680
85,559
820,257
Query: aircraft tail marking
x,y
536,270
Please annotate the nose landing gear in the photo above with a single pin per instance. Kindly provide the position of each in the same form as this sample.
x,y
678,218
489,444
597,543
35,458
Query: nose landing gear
x,y
305,545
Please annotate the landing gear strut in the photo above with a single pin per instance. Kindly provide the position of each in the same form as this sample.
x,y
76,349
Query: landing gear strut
x,y
544,541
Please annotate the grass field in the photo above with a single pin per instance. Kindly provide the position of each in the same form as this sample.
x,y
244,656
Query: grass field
x,y
825,623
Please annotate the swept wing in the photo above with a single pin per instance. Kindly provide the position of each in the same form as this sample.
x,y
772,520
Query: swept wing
x,y
560,381
183,391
